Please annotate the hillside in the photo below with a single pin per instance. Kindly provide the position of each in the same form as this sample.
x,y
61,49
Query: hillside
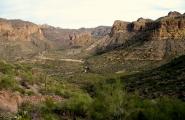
x,y
165,80
19,39
123,72
146,32
22,39
68,38
141,44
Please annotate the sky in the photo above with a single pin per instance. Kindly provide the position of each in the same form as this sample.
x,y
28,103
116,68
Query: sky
x,y
86,13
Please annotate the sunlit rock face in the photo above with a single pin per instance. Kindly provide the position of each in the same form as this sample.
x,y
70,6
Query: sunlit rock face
x,y
170,26
19,30
21,38
146,39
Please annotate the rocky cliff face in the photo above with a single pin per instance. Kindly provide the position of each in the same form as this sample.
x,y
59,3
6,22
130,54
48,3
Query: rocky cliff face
x,y
19,30
154,35
81,39
144,40
170,26
101,31
20,38
67,38
119,27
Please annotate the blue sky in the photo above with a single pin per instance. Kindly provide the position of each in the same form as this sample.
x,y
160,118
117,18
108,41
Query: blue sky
x,y
86,13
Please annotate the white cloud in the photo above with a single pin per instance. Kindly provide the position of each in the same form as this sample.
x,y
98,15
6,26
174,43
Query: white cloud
x,y
87,13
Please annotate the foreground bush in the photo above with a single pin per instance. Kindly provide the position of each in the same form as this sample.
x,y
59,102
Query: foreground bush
x,y
78,105
43,111
6,68
110,102
8,82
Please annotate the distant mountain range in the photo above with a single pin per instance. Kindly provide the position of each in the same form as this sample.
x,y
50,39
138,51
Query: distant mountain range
x,y
144,39
21,38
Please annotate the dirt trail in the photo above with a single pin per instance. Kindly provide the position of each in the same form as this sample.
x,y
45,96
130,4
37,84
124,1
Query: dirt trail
x,y
64,59
72,60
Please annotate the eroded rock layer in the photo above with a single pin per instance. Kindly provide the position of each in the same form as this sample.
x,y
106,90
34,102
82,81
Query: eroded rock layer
x,y
152,40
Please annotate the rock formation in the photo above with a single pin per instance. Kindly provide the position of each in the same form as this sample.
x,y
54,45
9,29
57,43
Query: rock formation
x,y
174,14
9,101
81,39
144,40
20,39
152,40
170,27
19,30
67,38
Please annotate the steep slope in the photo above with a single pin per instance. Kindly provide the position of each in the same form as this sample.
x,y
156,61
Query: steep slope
x,y
20,38
68,38
57,35
165,80
148,33
142,43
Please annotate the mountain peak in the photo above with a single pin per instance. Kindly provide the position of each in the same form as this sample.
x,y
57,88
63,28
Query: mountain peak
x,y
140,19
174,14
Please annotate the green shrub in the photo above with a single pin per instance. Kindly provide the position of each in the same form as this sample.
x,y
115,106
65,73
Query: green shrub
x,y
112,103
45,111
160,109
6,68
8,82
25,111
109,101
48,110
77,105
28,77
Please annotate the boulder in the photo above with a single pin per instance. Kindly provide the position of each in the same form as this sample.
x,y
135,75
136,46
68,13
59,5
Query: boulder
x,y
9,101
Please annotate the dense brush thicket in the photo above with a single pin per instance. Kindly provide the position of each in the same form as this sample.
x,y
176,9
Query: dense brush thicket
x,y
109,102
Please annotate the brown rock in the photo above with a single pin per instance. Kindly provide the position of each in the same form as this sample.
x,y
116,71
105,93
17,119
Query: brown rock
x,y
19,30
174,14
139,25
21,39
170,28
9,102
147,39
67,38
119,26
82,39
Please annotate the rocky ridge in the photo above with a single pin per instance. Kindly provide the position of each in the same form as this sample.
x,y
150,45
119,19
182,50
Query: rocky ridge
x,y
143,39
20,39
140,44
67,38
164,35
19,30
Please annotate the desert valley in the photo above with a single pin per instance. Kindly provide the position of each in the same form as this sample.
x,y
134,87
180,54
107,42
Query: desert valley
x,y
127,71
